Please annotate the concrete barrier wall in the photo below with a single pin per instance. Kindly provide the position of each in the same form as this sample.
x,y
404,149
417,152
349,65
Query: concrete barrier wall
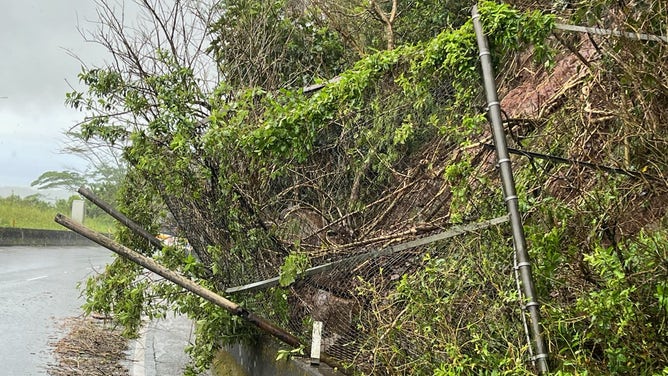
x,y
260,360
10,236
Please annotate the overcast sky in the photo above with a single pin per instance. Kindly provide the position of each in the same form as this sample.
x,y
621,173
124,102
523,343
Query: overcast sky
x,y
35,69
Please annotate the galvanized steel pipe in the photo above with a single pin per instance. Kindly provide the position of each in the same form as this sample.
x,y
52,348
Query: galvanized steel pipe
x,y
510,196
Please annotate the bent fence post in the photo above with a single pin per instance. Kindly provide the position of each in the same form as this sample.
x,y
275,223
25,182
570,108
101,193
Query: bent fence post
x,y
189,285
510,196
127,222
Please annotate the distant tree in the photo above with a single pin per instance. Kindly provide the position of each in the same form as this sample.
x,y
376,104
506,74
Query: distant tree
x,y
103,179
70,180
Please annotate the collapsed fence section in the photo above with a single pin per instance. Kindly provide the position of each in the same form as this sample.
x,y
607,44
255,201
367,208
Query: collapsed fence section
x,y
443,284
383,308
329,217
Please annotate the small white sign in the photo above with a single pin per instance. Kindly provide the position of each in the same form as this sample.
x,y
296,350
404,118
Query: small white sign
x,y
78,210
316,340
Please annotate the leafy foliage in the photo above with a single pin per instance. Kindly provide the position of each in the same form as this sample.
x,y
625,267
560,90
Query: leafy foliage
x,y
447,317
273,44
264,178
294,265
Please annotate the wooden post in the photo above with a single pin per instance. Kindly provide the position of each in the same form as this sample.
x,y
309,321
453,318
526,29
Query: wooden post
x,y
127,222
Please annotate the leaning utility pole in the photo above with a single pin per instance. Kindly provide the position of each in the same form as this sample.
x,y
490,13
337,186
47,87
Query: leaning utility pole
x,y
189,285
509,194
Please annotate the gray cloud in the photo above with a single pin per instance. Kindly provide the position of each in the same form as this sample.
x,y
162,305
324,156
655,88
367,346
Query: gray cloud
x,y
36,34
34,69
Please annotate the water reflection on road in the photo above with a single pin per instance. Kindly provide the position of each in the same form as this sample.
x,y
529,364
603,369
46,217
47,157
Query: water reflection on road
x,y
38,288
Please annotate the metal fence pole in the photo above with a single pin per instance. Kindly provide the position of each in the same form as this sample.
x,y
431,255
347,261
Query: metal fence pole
x,y
510,196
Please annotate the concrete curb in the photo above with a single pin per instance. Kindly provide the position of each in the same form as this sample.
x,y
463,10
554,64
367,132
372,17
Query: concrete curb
x,y
159,351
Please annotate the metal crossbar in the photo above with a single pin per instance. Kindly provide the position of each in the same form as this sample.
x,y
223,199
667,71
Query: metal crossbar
x,y
449,233
600,31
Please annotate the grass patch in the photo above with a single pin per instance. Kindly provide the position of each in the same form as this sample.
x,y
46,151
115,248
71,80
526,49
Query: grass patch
x,y
30,212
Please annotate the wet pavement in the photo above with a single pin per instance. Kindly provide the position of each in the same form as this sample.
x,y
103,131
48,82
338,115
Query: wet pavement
x,y
159,351
38,289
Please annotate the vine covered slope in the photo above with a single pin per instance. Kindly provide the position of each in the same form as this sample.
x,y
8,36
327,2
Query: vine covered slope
x,y
265,178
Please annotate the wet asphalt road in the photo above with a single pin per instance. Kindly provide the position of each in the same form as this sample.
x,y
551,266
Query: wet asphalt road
x,y
38,288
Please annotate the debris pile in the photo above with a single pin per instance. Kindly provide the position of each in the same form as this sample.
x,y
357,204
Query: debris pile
x,y
90,348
